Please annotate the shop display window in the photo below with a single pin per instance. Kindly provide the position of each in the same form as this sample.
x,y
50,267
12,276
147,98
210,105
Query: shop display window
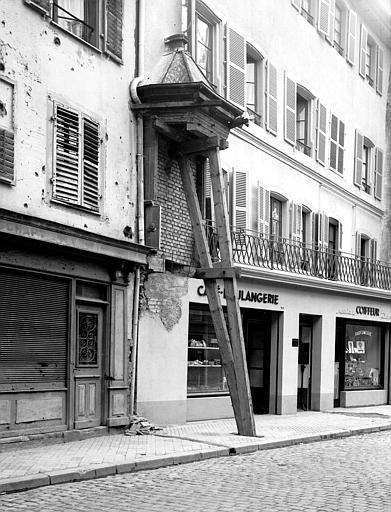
x,y
363,357
205,374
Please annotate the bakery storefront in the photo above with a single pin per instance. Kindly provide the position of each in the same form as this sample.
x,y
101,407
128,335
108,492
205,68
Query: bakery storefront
x,y
306,349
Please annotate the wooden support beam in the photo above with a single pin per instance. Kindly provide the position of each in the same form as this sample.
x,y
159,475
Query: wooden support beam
x,y
177,104
211,286
202,146
218,273
167,130
235,328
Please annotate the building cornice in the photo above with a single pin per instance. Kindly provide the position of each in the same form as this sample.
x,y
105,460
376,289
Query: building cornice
x,y
308,282
328,184
49,232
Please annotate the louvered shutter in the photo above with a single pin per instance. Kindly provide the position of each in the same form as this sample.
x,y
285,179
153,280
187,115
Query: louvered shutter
x,y
358,244
379,71
6,155
236,68
325,232
363,51
330,34
295,222
333,142
290,111
113,39
41,5
263,210
373,249
323,16
351,37
239,199
378,173
341,146
296,4
66,180
208,192
271,99
340,232
358,159
321,126
33,329
90,163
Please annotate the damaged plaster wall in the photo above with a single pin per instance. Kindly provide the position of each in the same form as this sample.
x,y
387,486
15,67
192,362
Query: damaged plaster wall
x,y
46,63
161,374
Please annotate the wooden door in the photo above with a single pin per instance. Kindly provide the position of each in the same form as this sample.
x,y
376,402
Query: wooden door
x,y
88,366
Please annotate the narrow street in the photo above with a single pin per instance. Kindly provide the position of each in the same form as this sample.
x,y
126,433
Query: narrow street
x,y
351,474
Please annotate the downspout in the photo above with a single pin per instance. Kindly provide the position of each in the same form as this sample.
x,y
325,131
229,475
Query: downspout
x,y
140,44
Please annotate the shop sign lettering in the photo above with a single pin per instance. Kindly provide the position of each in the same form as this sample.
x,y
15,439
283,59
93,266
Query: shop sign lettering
x,y
365,310
246,296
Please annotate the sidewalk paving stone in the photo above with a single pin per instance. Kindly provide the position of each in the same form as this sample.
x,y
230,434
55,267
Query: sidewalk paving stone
x,y
175,444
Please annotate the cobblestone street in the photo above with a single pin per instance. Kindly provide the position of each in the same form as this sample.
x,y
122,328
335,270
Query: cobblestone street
x,y
351,474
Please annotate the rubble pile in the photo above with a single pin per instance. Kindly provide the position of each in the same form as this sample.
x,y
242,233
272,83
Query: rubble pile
x,y
140,426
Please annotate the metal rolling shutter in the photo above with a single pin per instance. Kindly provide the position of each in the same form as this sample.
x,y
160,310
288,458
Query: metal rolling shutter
x,y
33,329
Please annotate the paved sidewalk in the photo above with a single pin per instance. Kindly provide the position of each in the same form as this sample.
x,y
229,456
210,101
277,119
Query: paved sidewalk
x,y
27,468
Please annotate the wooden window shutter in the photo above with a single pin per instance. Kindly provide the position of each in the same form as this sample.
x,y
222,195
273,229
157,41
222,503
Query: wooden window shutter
x,y
6,155
290,111
295,222
271,98
296,4
325,232
323,16
239,191
263,211
341,146
379,71
90,164
333,142
113,39
378,173
236,68
321,126
330,34
351,38
358,244
363,51
66,182
358,159
373,249
340,232
40,5
208,193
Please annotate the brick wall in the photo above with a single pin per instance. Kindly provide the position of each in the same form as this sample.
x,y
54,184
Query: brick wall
x,y
176,231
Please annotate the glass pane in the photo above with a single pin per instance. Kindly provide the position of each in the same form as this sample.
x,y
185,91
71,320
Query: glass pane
x,y
203,32
88,339
71,15
362,356
205,373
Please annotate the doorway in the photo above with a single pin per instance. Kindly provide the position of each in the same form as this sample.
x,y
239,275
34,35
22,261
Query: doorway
x,y
257,331
88,366
304,363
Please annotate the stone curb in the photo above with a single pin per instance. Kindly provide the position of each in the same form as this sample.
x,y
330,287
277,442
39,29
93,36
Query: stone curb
x,y
24,483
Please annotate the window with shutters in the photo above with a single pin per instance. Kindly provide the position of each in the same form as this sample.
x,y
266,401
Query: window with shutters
x,y
307,10
302,125
76,158
370,61
340,28
368,156
254,85
6,132
337,144
85,20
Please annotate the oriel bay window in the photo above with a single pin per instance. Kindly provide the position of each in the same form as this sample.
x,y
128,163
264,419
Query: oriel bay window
x,y
76,150
83,18
205,374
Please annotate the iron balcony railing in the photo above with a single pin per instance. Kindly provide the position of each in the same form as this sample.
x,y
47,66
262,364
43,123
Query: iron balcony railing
x,y
250,248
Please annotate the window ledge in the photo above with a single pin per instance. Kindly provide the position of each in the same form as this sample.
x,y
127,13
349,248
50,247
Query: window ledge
x,y
84,209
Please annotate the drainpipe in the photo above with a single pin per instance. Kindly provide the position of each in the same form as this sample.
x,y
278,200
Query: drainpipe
x,y
140,195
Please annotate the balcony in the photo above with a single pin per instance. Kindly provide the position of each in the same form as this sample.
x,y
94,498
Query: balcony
x,y
255,250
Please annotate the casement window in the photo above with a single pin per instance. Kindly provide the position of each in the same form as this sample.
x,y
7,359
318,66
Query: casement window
x,y
371,60
7,173
297,125
76,158
204,46
306,8
368,166
276,219
366,247
339,28
84,19
296,234
337,144
351,37
271,98
254,85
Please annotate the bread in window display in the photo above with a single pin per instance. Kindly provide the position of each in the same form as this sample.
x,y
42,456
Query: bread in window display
x,y
197,343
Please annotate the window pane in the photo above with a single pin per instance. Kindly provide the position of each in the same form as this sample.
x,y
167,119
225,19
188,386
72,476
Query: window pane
x,y
203,32
333,155
363,356
71,15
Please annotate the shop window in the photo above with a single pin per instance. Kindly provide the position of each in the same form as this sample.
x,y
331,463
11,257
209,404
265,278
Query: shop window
x,y
254,85
76,158
363,356
205,374
82,19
